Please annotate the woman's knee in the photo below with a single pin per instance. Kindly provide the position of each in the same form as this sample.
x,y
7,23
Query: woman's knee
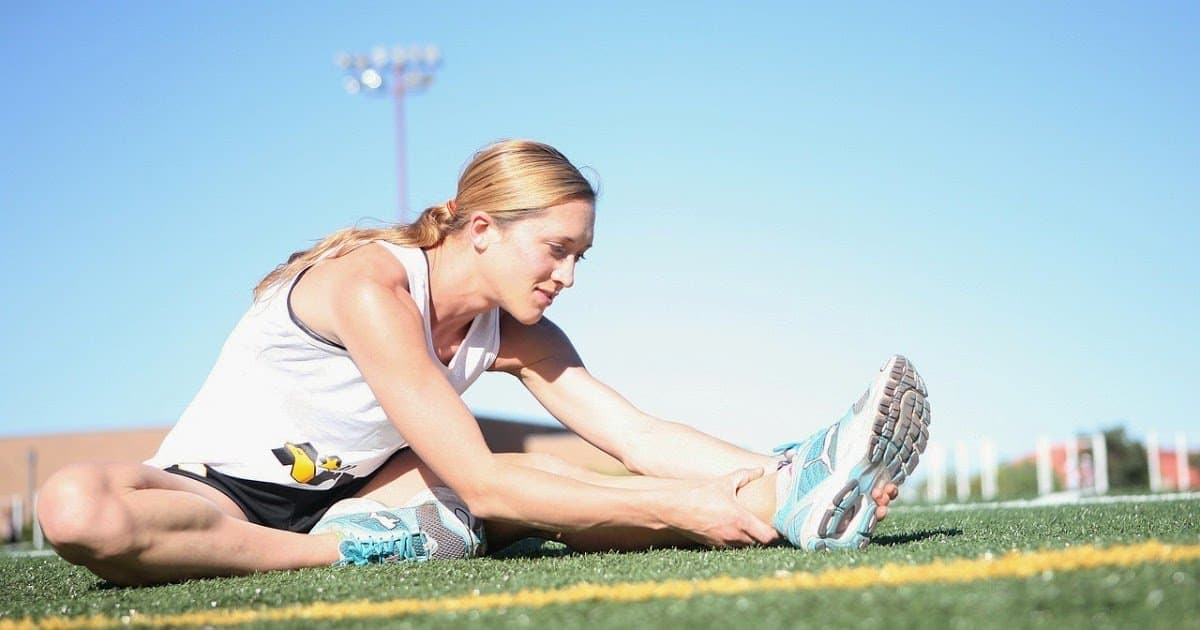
x,y
79,511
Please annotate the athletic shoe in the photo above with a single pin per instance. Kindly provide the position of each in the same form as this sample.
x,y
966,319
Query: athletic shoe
x,y
828,503
427,531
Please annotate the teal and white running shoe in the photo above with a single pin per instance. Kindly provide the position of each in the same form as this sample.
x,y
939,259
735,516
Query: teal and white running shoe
x,y
428,531
828,503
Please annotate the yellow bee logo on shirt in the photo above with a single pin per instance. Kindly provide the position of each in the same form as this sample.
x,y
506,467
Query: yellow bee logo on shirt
x,y
307,466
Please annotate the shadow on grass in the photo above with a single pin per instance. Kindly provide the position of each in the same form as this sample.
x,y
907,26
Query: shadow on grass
x,y
903,539
533,548
538,548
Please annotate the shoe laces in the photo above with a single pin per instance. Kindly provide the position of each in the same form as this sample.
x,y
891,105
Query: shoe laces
x,y
786,453
783,449
790,450
804,448
406,546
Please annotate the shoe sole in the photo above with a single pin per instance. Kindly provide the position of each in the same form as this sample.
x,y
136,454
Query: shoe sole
x,y
886,449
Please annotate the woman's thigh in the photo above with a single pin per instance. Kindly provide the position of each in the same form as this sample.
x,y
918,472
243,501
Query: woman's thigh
x,y
101,479
404,475
400,479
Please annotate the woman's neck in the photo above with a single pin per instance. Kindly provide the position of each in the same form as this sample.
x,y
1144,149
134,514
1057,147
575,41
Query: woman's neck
x,y
456,294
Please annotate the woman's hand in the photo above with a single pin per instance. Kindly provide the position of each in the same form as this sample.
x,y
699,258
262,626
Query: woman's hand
x,y
707,511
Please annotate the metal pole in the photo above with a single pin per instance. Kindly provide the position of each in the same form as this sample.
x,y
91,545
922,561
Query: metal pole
x,y
401,158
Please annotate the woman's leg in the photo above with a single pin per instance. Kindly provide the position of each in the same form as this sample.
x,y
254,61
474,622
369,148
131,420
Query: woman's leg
x,y
135,524
758,496
405,475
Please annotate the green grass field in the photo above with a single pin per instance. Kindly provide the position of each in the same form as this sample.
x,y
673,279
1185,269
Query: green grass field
x,y
1079,565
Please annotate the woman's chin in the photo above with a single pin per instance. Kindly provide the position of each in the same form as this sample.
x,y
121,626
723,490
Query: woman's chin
x,y
529,316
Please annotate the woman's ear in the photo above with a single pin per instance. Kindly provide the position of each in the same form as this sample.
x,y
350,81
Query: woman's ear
x,y
481,229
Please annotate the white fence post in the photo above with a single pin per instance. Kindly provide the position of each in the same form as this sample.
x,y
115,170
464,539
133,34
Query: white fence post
x,y
1100,463
1072,463
1045,469
1152,461
962,471
935,487
39,540
988,470
18,516
1182,480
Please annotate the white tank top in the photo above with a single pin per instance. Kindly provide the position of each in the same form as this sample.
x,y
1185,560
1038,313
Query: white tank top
x,y
287,406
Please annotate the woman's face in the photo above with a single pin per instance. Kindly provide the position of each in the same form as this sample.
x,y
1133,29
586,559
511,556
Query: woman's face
x,y
534,259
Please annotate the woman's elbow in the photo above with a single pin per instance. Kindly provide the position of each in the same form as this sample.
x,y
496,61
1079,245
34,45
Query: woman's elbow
x,y
636,461
483,499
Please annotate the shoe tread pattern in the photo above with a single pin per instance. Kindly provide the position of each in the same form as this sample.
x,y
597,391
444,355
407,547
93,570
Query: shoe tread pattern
x,y
899,435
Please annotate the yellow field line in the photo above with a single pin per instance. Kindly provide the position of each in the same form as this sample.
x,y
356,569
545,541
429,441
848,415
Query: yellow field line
x,y
1010,565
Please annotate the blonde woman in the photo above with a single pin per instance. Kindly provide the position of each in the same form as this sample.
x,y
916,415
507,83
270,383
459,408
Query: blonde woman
x,y
340,387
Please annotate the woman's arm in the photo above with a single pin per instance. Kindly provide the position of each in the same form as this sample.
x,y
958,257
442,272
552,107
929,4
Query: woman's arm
x,y
378,323
546,362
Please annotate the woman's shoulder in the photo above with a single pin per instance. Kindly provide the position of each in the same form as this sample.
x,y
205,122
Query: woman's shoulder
x,y
358,286
373,264
336,283
524,345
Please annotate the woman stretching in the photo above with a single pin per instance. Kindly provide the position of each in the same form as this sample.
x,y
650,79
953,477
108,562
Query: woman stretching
x,y
340,387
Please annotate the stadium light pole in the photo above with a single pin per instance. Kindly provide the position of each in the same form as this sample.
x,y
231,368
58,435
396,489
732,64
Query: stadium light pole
x,y
400,71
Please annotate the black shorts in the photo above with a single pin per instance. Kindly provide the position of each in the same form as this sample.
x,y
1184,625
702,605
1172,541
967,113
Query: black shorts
x,y
273,505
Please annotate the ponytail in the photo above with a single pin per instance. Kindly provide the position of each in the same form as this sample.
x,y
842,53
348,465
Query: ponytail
x,y
429,230
510,180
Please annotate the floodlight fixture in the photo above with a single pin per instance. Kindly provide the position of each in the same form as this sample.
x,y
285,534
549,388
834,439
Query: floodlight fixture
x,y
371,79
404,70
433,56
379,56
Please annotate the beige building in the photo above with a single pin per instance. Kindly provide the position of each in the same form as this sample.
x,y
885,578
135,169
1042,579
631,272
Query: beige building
x,y
26,462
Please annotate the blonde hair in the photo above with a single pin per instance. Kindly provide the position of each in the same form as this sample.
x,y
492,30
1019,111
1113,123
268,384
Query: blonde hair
x,y
510,180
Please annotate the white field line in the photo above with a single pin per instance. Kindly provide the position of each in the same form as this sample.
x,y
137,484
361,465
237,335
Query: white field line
x,y
1012,565
27,553
1058,498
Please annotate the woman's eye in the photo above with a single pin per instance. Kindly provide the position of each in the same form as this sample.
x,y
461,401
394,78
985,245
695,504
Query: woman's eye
x,y
561,251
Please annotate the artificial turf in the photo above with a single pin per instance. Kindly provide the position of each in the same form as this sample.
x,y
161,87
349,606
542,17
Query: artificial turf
x,y
1150,594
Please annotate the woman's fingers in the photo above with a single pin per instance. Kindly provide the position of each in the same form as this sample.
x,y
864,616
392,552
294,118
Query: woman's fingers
x,y
758,531
712,515
763,533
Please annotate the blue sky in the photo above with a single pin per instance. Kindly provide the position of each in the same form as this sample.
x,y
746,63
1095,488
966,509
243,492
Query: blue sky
x,y
1006,193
